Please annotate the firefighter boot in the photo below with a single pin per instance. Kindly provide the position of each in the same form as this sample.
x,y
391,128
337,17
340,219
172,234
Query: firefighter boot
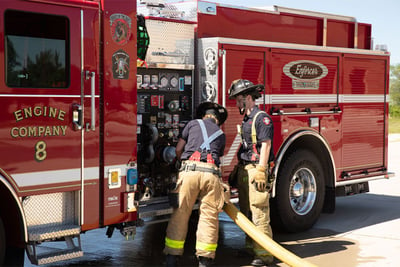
x,y
171,260
265,261
205,262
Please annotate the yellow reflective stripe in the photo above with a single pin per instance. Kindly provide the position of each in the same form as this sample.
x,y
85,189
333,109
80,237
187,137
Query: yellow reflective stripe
x,y
253,128
206,247
174,243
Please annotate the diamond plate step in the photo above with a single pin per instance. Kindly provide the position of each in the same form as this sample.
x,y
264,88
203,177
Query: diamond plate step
x,y
59,256
46,232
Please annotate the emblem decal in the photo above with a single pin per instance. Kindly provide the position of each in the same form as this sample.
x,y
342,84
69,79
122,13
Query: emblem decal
x,y
266,121
120,28
305,74
120,67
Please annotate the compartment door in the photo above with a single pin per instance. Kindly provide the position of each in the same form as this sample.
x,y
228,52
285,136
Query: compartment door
x,y
238,63
40,84
91,171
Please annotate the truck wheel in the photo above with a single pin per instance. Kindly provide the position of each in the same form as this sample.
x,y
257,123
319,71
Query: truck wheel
x,y
2,243
300,192
9,256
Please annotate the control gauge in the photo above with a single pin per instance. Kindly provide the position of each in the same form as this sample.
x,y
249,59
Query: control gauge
x,y
174,82
164,81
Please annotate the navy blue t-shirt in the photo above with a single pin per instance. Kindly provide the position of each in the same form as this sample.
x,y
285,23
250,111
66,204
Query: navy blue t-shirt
x,y
264,132
193,137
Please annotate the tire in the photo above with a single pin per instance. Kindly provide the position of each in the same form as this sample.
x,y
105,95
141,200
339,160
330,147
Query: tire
x,y
2,243
10,256
300,192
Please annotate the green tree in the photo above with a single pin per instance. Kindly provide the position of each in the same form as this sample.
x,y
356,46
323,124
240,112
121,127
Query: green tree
x,y
394,89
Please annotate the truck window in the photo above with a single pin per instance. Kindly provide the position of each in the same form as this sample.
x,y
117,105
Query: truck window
x,y
37,50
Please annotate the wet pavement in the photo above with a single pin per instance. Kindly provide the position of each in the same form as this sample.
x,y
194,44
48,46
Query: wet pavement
x,y
363,231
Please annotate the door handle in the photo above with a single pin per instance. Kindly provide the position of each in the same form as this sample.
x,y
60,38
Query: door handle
x,y
92,77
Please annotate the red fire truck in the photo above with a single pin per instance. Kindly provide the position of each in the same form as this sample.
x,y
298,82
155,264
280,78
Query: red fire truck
x,y
93,98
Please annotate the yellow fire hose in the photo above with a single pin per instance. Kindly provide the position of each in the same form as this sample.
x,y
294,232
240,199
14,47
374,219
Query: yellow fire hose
x,y
265,241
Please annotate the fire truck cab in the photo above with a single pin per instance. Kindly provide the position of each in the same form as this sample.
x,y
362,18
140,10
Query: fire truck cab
x,y
94,95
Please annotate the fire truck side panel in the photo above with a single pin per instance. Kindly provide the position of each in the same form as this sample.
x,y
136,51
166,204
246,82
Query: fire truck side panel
x,y
307,94
41,100
282,25
37,123
235,23
119,105
364,38
340,34
364,118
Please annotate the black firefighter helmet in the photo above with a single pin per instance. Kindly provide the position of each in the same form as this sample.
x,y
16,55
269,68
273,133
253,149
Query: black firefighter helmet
x,y
245,87
212,108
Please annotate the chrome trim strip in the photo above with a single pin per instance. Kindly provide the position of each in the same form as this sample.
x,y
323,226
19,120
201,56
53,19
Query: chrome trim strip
x,y
359,180
320,99
82,169
223,78
362,98
168,66
59,176
41,96
268,44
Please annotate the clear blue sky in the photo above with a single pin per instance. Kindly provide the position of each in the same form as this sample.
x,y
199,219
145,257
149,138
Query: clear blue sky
x,y
384,16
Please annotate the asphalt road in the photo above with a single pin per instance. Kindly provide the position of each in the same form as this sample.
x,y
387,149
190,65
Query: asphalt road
x,y
363,231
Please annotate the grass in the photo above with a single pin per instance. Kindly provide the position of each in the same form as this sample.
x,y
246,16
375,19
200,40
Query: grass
x,y
394,125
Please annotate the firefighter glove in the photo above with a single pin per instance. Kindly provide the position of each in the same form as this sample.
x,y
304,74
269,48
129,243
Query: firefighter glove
x,y
227,192
258,177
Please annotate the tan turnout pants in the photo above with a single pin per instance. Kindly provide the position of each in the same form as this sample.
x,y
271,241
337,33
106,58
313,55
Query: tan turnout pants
x,y
206,187
255,206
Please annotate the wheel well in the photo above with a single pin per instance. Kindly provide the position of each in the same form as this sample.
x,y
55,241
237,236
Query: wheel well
x,y
316,145
12,218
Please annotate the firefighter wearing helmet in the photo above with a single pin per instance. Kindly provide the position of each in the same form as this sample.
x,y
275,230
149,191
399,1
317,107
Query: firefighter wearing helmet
x,y
255,156
199,148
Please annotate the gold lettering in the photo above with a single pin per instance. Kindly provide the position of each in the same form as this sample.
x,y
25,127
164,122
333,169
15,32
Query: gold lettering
x,y
40,130
28,112
22,132
18,115
14,132
52,112
32,131
63,128
61,115
56,130
48,131
37,111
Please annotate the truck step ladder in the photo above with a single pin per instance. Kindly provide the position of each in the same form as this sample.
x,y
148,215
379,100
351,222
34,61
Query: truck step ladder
x,y
46,243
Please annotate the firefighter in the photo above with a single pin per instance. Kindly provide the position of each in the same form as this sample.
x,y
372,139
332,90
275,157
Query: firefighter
x,y
199,148
254,158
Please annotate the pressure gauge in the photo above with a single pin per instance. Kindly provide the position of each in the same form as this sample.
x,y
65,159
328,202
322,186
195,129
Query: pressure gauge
x,y
164,81
174,82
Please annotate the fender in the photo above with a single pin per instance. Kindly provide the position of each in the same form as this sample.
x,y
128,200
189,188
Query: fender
x,y
5,181
287,144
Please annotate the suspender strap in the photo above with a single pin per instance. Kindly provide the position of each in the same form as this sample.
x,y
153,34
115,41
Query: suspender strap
x,y
255,156
253,128
207,139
